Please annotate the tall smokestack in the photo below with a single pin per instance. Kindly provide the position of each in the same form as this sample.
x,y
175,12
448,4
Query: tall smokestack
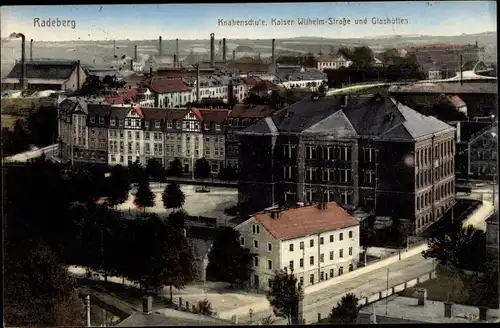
x,y
31,50
23,61
135,53
176,62
159,46
198,83
132,65
224,50
219,51
273,54
234,55
114,48
212,49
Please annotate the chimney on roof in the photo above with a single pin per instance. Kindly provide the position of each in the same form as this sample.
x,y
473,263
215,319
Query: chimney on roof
x,y
224,49
135,53
147,305
198,83
176,57
273,54
212,50
160,50
31,50
275,214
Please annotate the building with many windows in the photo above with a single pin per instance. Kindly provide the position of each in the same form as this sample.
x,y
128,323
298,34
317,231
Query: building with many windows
x,y
316,242
368,152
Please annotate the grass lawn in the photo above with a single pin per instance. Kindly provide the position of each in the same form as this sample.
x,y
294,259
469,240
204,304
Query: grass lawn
x,y
8,121
437,289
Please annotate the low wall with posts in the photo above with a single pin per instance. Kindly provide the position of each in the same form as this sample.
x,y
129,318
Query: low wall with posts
x,y
386,292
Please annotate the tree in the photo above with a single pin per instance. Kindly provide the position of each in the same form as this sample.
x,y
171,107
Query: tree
x,y
92,86
172,196
367,238
137,172
284,295
205,307
451,276
463,247
39,291
175,168
154,169
484,290
390,55
177,220
346,311
202,168
362,57
144,197
228,261
118,185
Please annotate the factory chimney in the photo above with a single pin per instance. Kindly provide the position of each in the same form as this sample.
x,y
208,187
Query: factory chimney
x,y
224,49
31,50
212,50
234,55
198,83
176,61
160,52
114,49
273,54
132,65
219,51
135,53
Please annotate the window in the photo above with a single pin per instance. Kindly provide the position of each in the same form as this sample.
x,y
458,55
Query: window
x,y
341,271
309,174
290,247
256,261
178,125
301,263
331,256
101,120
287,151
309,195
328,153
346,198
301,245
301,281
242,241
328,175
341,253
322,258
345,175
287,172
255,243
255,229
311,278
206,126
92,120
350,250
345,154
321,240
322,275
369,155
290,265
269,264
310,152
121,122
169,125
311,260
112,122
311,243
350,234
157,124
137,135
217,127
269,247
331,238
351,267
369,177
341,236
331,273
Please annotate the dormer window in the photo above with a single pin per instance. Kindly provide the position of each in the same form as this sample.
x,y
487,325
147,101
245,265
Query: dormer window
x,y
122,122
92,120
229,121
157,124
217,127
169,124
146,125
206,126
112,122
101,120
178,125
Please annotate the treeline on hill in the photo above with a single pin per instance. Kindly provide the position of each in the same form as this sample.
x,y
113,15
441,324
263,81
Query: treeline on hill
x,y
38,128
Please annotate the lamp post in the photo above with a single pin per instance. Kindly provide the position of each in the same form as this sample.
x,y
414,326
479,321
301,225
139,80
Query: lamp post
x,y
23,58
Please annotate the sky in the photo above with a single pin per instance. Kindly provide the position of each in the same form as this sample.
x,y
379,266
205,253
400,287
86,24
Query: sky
x,y
197,21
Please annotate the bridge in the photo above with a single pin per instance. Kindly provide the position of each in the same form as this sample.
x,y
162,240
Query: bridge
x,y
50,152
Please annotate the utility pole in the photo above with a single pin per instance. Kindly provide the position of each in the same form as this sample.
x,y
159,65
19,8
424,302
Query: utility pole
x,y
87,306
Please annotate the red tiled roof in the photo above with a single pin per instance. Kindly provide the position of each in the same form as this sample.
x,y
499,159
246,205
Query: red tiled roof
x,y
251,81
264,85
123,96
117,100
214,115
304,221
168,85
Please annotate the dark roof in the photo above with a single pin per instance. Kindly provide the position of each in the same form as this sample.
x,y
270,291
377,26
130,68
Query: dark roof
x,y
248,67
447,88
265,85
369,116
386,118
99,109
492,218
60,70
154,114
250,111
175,114
119,111
214,115
305,113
